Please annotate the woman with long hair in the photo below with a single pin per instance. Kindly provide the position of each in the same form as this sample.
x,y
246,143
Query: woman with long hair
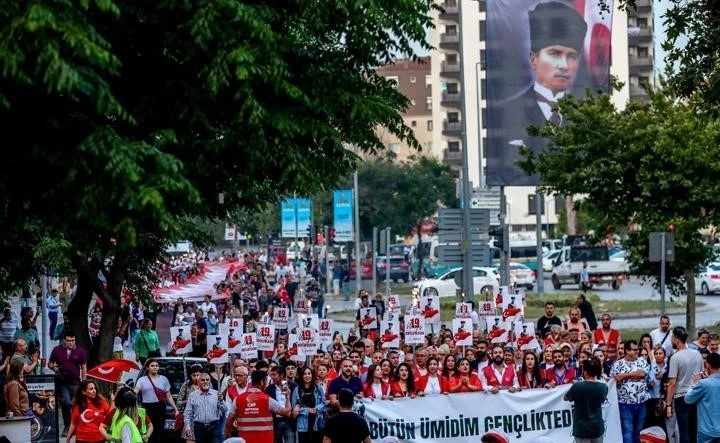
x,y
432,383
122,426
193,384
403,384
375,386
465,381
308,407
387,370
449,369
89,410
530,376
17,397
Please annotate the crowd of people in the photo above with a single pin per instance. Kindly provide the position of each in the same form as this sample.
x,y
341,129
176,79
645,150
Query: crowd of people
x,y
665,381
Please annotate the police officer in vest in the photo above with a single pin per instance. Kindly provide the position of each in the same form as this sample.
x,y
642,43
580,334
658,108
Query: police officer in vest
x,y
253,411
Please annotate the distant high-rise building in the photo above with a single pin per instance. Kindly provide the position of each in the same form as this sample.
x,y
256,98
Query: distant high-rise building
x,y
413,79
641,57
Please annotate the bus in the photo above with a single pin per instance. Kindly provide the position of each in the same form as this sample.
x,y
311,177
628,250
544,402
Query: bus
x,y
521,251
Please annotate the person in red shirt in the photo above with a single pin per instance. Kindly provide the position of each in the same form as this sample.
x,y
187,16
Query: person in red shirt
x,y
89,410
464,381
559,373
375,387
403,384
432,382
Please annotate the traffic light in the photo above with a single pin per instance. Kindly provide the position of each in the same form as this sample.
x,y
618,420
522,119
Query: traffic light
x,y
498,235
308,232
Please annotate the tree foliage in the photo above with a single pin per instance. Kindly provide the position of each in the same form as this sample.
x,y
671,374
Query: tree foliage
x,y
648,166
126,120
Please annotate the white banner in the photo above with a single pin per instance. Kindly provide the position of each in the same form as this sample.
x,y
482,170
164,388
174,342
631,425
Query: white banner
x,y
457,418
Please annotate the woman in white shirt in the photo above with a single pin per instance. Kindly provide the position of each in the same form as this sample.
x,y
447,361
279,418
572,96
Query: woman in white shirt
x,y
432,383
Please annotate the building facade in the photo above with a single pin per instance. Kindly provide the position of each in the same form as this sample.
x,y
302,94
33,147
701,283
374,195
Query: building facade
x,y
413,79
641,53
467,21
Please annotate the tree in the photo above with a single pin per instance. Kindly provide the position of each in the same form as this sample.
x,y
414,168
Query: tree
x,y
126,120
647,166
402,195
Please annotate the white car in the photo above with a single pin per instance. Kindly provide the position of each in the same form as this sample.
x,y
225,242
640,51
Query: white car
x,y
484,280
522,276
549,259
707,279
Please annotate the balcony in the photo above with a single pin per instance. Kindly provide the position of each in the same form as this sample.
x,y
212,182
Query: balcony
x,y
451,11
452,157
640,63
451,70
637,93
643,6
636,34
450,98
450,41
452,128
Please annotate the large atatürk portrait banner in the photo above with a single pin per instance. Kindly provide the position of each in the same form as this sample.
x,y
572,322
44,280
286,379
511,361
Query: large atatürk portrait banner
x,y
538,51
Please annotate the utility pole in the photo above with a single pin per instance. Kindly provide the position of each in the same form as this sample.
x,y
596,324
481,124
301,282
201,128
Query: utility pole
x,y
466,185
538,233
358,271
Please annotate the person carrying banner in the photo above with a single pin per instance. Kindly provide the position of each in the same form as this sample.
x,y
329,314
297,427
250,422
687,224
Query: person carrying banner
x,y
499,375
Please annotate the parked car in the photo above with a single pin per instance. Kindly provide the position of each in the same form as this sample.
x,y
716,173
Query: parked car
x,y
522,276
177,370
366,270
707,279
485,280
548,259
399,268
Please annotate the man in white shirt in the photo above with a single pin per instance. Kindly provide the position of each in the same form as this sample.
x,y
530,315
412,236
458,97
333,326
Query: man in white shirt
x,y
207,306
662,336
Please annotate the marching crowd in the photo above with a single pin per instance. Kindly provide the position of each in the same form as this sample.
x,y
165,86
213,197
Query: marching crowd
x,y
667,383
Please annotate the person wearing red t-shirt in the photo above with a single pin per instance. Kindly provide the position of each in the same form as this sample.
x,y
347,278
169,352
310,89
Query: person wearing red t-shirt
x,y
403,384
432,383
89,410
464,381
559,373
375,387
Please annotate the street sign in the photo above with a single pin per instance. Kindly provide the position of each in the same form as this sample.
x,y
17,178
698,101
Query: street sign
x,y
449,236
487,198
452,219
454,253
656,241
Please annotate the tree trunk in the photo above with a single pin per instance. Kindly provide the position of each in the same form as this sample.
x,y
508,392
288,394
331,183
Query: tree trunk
x,y
571,216
88,284
690,306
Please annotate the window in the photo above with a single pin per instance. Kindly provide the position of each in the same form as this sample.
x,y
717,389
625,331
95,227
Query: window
x,y
413,123
531,204
483,58
453,117
451,59
429,125
483,118
482,30
642,22
643,80
428,103
452,88
413,79
642,51
483,89
451,30
559,204
482,6
454,146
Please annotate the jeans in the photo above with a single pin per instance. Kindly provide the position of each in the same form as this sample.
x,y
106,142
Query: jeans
x,y
632,419
66,392
686,419
284,431
220,430
206,434
320,307
702,438
53,316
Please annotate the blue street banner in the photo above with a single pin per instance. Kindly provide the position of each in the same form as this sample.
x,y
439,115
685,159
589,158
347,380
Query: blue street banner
x,y
304,216
343,215
538,51
288,218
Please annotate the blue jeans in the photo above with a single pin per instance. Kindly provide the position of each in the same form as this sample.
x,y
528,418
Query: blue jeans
x,y
284,431
632,419
53,316
220,430
686,419
66,393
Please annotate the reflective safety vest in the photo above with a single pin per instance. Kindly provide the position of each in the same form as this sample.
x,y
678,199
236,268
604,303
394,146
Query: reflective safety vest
x,y
253,416
141,423
117,425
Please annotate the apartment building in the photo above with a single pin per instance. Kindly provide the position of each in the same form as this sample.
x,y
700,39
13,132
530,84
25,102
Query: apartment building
x,y
413,79
641,57
467,21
